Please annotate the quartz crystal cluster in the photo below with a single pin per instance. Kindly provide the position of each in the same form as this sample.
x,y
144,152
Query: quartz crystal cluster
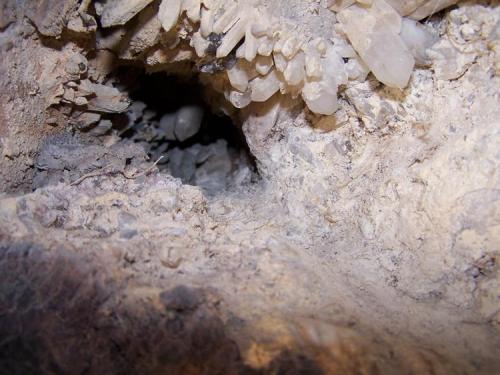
x,y
261,53
269,56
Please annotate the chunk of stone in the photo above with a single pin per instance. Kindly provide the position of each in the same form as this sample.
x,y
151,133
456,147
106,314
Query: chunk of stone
x,y
76,65
375,111
82,23
215,167
86,119
119,12
102,98
145,34
182,163
102,128
50,16
167,124
136,111
448,63
431,7
188,122
7,13
101,65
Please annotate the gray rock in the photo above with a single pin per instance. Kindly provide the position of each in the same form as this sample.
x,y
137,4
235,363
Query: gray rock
x,y
188,122
119,12
128,233
167,124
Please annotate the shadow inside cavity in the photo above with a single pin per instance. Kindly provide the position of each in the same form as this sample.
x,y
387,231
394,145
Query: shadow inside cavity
x,y
215,158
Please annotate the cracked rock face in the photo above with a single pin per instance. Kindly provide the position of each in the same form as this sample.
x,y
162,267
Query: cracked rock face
x,y
346,221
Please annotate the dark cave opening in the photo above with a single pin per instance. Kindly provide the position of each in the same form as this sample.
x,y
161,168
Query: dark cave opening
x,y
171,119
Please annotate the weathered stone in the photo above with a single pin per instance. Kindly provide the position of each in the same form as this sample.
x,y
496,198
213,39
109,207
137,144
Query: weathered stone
x,y
50,16
119,12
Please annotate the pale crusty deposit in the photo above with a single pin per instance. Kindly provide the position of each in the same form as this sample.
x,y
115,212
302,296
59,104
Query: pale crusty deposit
x,y
273,55
357,231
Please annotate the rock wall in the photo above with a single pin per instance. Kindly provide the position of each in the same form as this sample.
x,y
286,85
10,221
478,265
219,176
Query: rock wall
x,y
369,244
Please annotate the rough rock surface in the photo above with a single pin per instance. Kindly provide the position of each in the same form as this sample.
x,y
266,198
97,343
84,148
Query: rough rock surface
x,y
370,244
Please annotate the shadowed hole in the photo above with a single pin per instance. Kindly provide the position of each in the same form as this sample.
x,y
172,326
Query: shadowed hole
x,y
170,118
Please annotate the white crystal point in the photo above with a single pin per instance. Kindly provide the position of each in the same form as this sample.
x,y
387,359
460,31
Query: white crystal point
x,y
206,22
334,67
169,13
314,68
251,45
232,38
382,50
238,99
199,44
264,87
280,62
320,97
240,74
418,39
264,64
295,70
226,19
192,8
386,15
